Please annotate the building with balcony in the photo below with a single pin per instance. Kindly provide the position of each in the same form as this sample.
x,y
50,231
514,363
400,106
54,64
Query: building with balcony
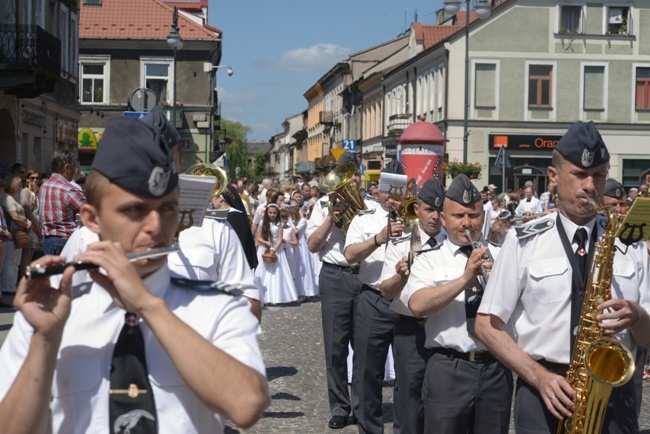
x,y
126,67
38,78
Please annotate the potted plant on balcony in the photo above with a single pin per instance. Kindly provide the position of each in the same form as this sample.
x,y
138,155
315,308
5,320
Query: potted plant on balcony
x,y
454,167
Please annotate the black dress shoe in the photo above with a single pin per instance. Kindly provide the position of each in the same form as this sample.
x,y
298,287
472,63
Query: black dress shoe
x,y
352,420
338,422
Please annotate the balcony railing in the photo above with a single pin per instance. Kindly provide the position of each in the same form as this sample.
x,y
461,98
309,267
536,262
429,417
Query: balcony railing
x,y
398,123
29,46
175,118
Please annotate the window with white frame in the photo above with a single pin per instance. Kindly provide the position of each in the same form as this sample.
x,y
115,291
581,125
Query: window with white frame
x,y
486,85
540,85
157,75
618,20
594,89
643,88
570,19
94,77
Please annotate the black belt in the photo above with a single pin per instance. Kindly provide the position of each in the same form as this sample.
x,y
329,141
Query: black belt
x,y
556,368
352,270
411,319
472,356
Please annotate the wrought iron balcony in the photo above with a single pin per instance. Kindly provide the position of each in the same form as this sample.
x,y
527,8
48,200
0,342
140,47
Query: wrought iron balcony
x,y
29,47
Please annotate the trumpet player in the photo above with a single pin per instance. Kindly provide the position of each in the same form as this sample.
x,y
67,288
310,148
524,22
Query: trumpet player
x,y
538,282
374,322
409,352
465,389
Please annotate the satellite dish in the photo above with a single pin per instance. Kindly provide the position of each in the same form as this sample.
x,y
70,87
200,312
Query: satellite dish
x,y
142,99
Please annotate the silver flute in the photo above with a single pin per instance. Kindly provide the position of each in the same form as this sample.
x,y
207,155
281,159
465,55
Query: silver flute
x,y
38,271
487,256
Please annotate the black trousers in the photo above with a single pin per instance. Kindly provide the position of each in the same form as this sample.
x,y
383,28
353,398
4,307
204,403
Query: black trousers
x,y
466,397
410,363
338,292
532,417
373,335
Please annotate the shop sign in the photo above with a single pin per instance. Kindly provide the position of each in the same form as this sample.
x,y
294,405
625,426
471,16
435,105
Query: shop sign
x,y
390,151
521,142
86,140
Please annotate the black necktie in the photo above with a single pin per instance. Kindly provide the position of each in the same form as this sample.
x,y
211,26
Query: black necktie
x,y
131,405
580,238
527,199
473,296
578,291
431,242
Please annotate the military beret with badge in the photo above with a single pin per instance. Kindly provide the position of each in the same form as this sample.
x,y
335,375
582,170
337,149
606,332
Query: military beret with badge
x,y
462,190
583,146
135,157
614,189
432,193
156,119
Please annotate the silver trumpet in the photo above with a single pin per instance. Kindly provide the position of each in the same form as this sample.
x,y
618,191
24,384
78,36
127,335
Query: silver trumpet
x,y
476,244
38,271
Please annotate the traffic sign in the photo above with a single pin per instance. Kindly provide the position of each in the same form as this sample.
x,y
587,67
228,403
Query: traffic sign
x,y
362,168
137,115
337,153
349,145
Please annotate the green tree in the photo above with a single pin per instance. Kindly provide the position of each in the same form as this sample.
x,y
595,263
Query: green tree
x,y
259,164
237,149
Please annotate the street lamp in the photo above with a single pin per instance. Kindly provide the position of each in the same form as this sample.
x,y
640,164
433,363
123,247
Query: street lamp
x,y
175,42
483,10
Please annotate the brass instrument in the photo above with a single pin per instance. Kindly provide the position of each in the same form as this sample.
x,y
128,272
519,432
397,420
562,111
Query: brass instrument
x,y
598,364
406,210
486,257
521,218
207,169
341,188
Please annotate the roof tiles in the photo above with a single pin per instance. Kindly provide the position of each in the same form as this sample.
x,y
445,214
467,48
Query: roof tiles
x,y
137,19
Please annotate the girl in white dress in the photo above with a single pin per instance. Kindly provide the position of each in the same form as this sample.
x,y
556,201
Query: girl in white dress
x,y
276,283
290,244
305,277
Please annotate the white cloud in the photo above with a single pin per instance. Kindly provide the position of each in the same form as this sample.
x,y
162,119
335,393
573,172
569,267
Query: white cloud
x,y
315,58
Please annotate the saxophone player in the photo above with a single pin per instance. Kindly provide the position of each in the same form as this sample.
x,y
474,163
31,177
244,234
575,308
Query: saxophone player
x,y
537,284
614,196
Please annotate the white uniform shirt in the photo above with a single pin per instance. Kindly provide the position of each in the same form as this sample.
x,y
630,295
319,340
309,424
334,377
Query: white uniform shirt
x,y
397,249
531,286
82,378
487,221
524,206
364,226
332,251
446,328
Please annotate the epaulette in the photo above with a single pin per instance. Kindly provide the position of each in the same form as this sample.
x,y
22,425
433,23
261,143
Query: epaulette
x,y
366,211
430,249
81,289
494,244
217,214
533,228
206,286
397,240
602,221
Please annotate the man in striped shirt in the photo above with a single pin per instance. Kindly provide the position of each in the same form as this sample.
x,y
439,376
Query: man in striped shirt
x,y
59,202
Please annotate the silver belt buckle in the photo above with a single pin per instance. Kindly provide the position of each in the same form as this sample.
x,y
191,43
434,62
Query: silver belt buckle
x,y
475,356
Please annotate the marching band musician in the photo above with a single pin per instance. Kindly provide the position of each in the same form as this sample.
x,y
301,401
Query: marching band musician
x,y
614,196
409,351
537,275
446,285
339,286
141,351
374,322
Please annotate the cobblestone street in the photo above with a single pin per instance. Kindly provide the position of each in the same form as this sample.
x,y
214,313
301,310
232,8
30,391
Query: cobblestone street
x,y
293,353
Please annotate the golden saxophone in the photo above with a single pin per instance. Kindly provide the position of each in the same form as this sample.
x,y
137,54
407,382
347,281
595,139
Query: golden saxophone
x,y
598,363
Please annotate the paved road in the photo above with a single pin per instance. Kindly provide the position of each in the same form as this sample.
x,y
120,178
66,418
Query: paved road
x,y
293,353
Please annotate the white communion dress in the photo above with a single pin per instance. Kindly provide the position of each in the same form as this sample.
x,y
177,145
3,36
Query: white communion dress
x,y
276,282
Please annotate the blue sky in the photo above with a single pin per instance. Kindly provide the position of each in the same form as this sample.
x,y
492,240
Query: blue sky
x,y
279,48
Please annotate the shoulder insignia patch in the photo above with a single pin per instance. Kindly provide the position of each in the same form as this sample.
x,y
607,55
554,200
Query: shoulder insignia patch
x,y
398,240
206,286
602,221
81,289
218,214
366,211
533,228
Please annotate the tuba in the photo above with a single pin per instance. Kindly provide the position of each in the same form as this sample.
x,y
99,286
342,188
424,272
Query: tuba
x,y
406,210
339,184
598,363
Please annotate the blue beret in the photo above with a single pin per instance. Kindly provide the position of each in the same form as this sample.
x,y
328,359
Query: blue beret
x,y
583,146
135,157
614,189
432,193
156,119
462,190
347,157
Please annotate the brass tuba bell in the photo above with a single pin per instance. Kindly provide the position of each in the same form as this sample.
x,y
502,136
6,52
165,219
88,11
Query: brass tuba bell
x,y
207,169
406,209
340,186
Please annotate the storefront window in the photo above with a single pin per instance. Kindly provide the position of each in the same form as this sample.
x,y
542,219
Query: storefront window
x,y
632,172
